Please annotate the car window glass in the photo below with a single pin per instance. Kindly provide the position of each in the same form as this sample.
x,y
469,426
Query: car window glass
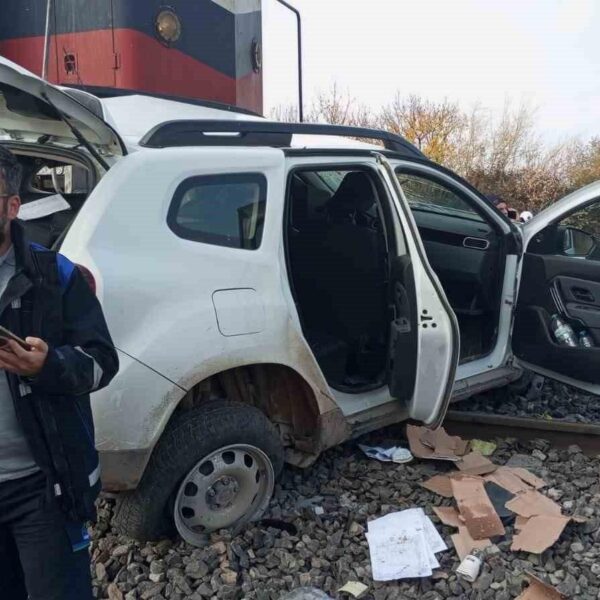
x,y
224,210
580,233
428,195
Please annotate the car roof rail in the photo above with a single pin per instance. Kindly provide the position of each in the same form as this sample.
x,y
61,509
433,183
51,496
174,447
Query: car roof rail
x,y
205,132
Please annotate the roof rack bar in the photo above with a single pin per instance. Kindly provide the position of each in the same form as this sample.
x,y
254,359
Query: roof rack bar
x,y
261,133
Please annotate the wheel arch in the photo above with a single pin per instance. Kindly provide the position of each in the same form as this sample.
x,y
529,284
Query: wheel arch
x,y
308,420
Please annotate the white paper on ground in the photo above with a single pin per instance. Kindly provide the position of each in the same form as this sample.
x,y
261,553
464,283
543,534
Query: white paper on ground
x,y
398,555
403,544
36,209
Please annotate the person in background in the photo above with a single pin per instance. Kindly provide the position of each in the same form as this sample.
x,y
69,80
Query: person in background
x,y
499,203
49,469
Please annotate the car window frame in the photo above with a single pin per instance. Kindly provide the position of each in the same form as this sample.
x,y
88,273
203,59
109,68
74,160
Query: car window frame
x,y
208,238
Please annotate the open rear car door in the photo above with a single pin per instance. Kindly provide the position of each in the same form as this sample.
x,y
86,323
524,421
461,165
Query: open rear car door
x,y
560,277
34,111
424,346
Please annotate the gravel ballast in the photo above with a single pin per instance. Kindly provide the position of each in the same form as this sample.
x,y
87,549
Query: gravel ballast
x,y
557,402
325,510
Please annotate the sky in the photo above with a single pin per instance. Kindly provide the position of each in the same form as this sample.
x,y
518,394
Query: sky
x,y
544,53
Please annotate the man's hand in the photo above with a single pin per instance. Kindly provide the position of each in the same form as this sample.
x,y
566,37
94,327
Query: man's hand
x,y
27,363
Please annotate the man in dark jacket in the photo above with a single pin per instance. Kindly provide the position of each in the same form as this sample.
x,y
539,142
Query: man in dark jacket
x,y
49,470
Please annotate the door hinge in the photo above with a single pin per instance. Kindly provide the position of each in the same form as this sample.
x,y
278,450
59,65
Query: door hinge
x,y
116,60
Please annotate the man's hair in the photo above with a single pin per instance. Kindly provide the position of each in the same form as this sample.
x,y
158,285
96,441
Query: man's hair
x,y
11,173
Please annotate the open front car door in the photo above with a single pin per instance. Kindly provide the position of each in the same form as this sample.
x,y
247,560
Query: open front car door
x,y
424,346
557,323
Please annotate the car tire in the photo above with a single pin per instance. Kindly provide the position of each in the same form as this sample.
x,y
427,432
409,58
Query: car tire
x,y
147,513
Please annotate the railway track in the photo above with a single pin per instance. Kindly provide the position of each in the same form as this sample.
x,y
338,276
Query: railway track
x,y
559,433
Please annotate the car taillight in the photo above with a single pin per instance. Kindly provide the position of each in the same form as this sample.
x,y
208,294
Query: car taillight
x,y
87,275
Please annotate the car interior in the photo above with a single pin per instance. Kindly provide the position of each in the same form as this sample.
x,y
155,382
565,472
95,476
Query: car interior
x,y
45,174
467,254
350,286
338,254
561,276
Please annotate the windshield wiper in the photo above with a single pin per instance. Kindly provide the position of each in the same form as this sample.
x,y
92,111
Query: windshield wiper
x,y
78,135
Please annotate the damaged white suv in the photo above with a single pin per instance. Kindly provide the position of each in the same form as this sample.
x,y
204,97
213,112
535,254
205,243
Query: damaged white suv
x,y
276,289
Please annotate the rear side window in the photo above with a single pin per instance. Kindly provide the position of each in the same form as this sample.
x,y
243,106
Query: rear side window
x,y
223,210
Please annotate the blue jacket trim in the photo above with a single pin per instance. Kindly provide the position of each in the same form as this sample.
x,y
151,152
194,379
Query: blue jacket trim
x,y
65,266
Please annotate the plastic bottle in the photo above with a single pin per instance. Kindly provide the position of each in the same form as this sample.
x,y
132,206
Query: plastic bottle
x,y
585,339
563,332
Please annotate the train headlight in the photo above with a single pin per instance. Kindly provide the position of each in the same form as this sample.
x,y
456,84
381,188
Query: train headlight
x,y
168,26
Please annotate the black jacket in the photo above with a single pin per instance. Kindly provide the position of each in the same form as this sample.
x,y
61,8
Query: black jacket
x,y
49,298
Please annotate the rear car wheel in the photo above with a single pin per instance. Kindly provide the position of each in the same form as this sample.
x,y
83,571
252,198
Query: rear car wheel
x,y
214,468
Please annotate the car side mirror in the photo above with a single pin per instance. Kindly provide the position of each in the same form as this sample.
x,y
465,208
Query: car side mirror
x,y
576,242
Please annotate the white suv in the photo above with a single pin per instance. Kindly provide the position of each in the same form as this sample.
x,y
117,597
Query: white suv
x,y
276,289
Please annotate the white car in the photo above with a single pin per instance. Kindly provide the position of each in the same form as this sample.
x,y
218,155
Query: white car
x,y
276,289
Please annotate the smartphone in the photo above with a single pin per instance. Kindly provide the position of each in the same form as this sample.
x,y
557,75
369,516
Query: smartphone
x,y
512,214
6,335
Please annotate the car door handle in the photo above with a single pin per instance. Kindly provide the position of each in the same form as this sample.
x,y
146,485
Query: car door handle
x,y
582,294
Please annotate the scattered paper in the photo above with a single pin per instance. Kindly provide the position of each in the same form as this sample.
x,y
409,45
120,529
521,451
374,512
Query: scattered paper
x,y
520,522
403,545
507,479
448,515
528,477
354,588
475,507
465,544
435,443
539,533
539,590
531,503
485,448
439,484
393,454
475,463
37,209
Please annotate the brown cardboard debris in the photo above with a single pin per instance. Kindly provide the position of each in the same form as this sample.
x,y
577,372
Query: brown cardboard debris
x,y
507,479
435,443
475,507
439,484
475,463
531,503
539,590
448,515
520,522
539,533
465,544
528,477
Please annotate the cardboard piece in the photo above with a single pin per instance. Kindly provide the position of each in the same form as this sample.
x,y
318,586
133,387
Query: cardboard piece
x,y
439,484
520,522
435,444
506,478
528,477
448,515
475,463
539,590
539,533
465,544
475,507
531,503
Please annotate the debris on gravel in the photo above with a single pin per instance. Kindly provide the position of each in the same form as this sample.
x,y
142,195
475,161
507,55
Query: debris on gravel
x,y
324,551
